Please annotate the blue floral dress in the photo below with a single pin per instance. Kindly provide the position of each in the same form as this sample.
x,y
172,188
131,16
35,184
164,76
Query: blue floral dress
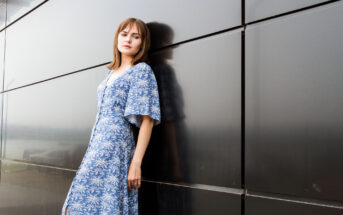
x,y
100,183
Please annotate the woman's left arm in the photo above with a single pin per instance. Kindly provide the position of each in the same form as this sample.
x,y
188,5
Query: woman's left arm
x,y
134,175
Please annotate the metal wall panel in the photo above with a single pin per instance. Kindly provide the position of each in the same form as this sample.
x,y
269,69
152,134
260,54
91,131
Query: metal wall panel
x,y
2,124
270,206
61,36
2,61
30,189
17,8
293,107
294,104
51,122
257,9
159,198
201,106
2,14
221,131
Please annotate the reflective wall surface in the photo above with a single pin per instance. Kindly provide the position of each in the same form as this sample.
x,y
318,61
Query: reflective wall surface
x,y
262,204
50,123
250,99
32,189
257,9
202,110
58,25
2,14
160,198
2,61
294,104
18,8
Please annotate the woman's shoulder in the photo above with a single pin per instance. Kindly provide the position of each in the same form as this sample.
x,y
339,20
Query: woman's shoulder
x,y
142,68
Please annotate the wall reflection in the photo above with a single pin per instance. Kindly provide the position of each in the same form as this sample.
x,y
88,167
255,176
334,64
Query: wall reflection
x,y
50,123
17,8
30,190
179,149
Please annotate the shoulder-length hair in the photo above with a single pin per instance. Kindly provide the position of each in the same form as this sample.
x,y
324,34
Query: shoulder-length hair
x,y
142,54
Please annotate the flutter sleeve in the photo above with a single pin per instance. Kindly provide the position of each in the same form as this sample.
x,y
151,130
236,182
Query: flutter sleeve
x,y
143,97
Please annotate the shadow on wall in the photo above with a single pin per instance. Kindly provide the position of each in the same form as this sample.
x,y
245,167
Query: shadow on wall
x,y
169,142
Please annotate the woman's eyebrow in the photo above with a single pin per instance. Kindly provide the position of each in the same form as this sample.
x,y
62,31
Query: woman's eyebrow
x,y
132,33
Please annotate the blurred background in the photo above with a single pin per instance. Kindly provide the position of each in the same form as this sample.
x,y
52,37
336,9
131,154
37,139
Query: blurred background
x,y
250,92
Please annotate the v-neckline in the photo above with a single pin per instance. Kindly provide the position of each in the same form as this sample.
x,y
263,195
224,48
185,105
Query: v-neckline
x,y
108,84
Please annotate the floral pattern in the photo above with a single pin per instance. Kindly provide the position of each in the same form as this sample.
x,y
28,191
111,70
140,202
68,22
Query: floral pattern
x,y
100,183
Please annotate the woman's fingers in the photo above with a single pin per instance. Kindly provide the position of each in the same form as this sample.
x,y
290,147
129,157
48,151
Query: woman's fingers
x,y
130,184
134,177
137,184
133,183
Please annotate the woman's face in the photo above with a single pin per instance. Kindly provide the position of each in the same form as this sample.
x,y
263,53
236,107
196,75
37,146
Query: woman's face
x,y
129,41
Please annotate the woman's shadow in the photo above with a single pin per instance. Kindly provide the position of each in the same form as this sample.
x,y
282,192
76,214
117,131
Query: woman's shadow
x,y
164,159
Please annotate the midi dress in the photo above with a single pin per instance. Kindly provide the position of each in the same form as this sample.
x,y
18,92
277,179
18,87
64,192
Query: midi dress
x,y
100,185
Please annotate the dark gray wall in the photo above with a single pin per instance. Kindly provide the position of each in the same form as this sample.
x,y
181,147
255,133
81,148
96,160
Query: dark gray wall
x,y
250,95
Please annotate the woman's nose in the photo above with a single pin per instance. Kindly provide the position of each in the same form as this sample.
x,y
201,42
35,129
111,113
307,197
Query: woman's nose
x,y
128,39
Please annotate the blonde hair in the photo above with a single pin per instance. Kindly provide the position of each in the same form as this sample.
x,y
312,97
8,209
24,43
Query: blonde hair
x,y
142,54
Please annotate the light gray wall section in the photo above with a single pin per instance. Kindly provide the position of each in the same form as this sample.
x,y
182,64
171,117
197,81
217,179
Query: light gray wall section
x,y
294,104
17,8
2,53
61,37
259,9
1,118
2,14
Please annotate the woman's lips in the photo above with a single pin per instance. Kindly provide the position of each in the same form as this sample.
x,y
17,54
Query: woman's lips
x,y
127,46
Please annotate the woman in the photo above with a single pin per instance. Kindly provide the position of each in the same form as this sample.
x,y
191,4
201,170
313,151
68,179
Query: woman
x,y
109,176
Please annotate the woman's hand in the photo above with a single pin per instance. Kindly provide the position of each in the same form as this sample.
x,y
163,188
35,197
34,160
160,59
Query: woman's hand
x,y
134,176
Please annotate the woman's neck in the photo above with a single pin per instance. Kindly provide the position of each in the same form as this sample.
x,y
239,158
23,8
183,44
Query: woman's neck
x,y
126,61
